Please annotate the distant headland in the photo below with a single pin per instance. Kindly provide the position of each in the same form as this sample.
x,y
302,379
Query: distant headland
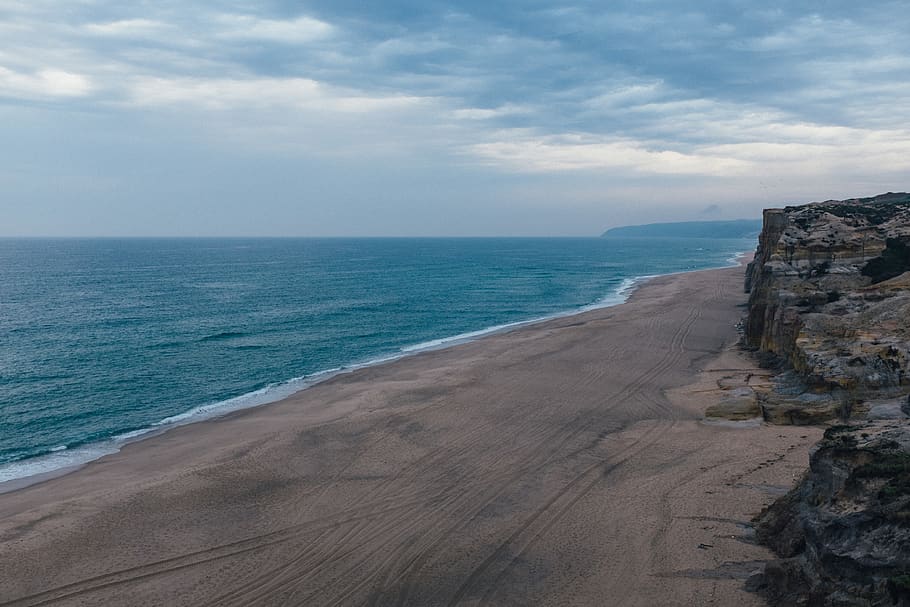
x,y
734,228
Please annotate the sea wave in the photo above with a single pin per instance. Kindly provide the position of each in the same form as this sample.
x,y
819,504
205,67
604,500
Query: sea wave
x,y
223,335
61,459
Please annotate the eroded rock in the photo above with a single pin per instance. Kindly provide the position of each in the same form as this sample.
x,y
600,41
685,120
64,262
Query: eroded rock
x,y
830,303
738,404
843,534
830,295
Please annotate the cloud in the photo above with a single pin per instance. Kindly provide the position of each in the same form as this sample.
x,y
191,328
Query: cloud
x,y
572,153
239,94
412,45
129,28
625,97
48,82
473,113
300,30
628,95
810,33
862,152
711,209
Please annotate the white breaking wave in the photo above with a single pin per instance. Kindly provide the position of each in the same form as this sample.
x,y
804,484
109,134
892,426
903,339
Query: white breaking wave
x,y
58,461
621,295
614,299
435,344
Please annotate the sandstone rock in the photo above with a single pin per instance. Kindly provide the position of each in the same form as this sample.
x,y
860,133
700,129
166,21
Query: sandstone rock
x,y
830,299
816,304
800,413
732,382
738,404
891,408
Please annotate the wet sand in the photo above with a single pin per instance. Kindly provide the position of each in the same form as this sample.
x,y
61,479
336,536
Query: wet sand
x,y
562,463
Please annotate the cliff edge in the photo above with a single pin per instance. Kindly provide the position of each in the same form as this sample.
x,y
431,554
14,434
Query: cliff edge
x,y
830,299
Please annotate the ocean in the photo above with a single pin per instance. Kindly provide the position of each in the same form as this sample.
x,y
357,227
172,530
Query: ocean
x,y
103,341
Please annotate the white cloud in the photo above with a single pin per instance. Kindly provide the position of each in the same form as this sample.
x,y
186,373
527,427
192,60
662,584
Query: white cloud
x,y
43,83
575,152
411,45
474,113
825,152
230,94
628,95
128,28
755,144
295,31
816,33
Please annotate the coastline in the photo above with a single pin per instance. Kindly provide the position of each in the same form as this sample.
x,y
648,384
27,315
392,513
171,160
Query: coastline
x,y
66,460
564,460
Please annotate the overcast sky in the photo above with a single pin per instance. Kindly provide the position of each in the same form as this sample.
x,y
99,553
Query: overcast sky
x,y
426,117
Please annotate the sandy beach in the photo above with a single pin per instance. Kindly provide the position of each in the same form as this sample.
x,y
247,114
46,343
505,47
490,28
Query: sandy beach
x,y
563,463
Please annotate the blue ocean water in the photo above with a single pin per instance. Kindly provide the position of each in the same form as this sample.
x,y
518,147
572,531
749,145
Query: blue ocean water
x,y
102,340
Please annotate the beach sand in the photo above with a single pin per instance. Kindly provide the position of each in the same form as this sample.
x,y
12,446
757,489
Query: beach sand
x,y
563,463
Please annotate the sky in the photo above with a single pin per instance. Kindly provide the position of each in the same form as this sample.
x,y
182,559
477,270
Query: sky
x,y
436,118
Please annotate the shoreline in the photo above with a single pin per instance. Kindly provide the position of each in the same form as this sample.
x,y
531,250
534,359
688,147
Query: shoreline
x,y
554,464
66,460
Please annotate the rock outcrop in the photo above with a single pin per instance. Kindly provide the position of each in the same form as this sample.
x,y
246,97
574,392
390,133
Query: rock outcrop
x,y
829,306
843,534
830,297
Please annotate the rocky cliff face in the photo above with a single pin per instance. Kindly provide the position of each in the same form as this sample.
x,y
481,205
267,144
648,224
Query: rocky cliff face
x,y
844,532
830,301
830,295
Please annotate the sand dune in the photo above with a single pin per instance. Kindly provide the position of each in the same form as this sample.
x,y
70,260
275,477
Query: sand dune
x,y
558,464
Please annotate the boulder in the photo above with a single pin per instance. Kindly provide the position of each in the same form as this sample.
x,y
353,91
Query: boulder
x,y
738,404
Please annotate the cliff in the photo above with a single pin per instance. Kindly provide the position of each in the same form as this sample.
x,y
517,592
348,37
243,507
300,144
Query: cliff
x,y
829,304
830,297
